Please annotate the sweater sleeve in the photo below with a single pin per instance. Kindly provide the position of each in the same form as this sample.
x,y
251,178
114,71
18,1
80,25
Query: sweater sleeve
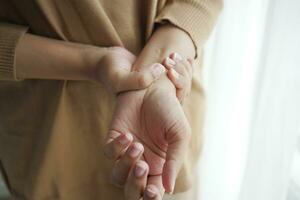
x,y
195,17
10,34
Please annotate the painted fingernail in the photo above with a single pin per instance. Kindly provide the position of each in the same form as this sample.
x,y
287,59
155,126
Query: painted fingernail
x,y
135,150
125,138
150,192
139,170
174,73
157,70
177,57
171,62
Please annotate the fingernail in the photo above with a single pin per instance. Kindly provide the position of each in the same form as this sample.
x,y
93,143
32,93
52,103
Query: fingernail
x,y
150,192
157,70
139,170
135,150
125,139
177,57
170,61
174,73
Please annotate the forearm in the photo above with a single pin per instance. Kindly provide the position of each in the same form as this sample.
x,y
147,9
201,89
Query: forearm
x,y
165,40
44,58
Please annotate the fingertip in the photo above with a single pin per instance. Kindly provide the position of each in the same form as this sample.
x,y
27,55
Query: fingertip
x,y
114,148
169,176
176,56
125,139
157,70
151,191
169,63
140,169
135,150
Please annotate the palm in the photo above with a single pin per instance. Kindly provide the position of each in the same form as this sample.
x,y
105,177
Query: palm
x,y
155,118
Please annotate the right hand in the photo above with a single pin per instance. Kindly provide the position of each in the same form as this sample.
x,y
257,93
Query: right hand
x,y
155,119
114,72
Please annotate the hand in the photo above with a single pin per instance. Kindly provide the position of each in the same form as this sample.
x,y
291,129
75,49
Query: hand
x,y
113,70
156,120
180,72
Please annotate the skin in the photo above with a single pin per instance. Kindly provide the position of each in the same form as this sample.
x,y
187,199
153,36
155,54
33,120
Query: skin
x,y
162,129
60,60
155,117
120,148
180,72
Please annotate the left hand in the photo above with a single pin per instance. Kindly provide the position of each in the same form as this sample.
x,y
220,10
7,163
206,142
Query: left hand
x,y
114,71
180,72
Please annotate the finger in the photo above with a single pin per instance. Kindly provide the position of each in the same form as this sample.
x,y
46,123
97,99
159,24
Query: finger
x,y
177,62
191,66
176,57
180,94
136,182
177,66
124,52
134,80
177,148
122,168
168,63
182,84
187,68
157,182
178,80
115,147
152,193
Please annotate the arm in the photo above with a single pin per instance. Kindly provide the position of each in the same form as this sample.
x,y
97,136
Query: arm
x,y
44,58
189,25
28,56
165,40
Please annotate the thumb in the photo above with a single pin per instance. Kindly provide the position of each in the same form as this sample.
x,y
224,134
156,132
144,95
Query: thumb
x,y
134,80
177,148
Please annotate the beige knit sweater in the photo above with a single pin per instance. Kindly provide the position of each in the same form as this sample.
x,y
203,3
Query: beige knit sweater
x,y
51,131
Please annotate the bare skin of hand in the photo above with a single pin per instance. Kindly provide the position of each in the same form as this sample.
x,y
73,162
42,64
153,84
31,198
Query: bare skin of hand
x,y
163,113
122,147
60,60
162,129
180,72
114,72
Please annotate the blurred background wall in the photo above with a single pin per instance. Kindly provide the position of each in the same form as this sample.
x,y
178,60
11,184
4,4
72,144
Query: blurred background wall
x,y
252,81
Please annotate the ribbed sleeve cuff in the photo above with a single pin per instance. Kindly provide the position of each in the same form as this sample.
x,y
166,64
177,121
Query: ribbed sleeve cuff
x,y
197,18
10,34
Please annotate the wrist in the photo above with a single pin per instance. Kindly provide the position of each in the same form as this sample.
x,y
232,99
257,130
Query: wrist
x,y
163,85
165,40
92,57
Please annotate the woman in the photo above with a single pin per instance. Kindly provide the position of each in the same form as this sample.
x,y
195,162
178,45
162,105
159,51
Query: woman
x,y
54,114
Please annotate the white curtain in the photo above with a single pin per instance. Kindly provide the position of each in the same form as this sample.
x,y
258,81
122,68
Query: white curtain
x,y
252,81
